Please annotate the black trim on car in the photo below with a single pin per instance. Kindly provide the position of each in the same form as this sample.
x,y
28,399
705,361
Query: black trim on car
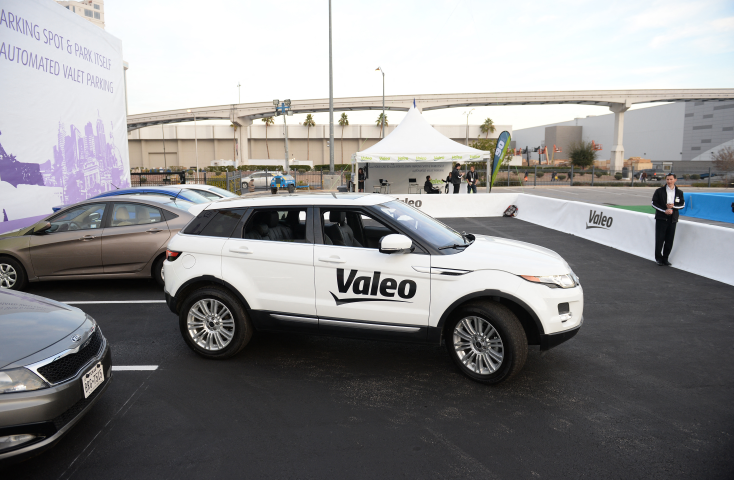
x,y
435,334
554,339
173,304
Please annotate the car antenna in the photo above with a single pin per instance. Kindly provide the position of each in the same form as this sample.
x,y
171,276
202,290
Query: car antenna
x,y
333,195
114,185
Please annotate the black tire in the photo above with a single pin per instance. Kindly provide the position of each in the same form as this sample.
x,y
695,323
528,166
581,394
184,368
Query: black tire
x,y
291,188
514,343
12,274
156,270
274,191
241,326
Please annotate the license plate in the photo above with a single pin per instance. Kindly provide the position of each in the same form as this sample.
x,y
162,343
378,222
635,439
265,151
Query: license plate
x,y
93,379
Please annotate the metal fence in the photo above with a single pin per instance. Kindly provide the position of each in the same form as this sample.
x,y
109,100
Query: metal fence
x,y
231,181
537,175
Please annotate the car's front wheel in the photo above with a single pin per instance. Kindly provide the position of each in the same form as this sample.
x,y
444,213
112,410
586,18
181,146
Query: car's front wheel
x,y
291,188
487,342
12,274
273,191
214,323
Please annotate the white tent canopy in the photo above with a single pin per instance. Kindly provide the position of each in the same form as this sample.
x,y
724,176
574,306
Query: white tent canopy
x,y
415,140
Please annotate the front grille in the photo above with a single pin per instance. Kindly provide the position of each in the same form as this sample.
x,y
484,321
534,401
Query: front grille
x,y
68,366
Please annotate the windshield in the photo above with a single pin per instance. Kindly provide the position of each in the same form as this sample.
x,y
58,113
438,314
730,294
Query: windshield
x,y
180,203
428,228
193,196
222,192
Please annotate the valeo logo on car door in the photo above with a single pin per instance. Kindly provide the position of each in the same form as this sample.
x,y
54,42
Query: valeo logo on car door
x,y
372,288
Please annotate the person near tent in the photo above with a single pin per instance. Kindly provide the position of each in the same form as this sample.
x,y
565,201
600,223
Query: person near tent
x,y
428,187
456,177
360,179
447,182
471,180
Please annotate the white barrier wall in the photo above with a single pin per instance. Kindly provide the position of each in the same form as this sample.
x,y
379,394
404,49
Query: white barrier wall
x,y
448,206
698,248
62,111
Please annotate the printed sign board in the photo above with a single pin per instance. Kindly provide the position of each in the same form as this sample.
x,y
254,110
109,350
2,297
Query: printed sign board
x,y
63,128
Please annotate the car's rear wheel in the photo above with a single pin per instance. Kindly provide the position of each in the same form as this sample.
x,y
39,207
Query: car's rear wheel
x,y
12,274
487,342
291,188
214,323
157,271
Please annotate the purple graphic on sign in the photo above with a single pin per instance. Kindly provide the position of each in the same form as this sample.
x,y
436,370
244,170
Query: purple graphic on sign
x,y
84,164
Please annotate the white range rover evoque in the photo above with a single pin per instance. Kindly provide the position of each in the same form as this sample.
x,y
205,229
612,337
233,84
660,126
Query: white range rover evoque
x,y
366,266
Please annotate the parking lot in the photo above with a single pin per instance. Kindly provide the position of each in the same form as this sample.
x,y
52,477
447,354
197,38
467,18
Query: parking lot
x,y
643,391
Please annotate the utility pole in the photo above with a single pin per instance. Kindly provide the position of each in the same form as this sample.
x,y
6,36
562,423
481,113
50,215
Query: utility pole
x,y
331,103
165,164
196,146
467,124
239,93
382,129
285,110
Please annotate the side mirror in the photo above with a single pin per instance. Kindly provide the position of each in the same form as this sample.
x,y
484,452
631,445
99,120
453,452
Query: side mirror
x,y
42,229
396,244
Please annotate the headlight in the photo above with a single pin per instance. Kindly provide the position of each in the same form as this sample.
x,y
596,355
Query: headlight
x,y
20,380
554,281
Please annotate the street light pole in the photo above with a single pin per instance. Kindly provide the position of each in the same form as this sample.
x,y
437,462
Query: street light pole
x,y
382,129
331,103
196,146
239,93
467,125
285,110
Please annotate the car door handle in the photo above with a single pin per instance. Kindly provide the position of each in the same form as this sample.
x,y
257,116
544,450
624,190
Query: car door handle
x,y
242,249
332,259
154,230
87,237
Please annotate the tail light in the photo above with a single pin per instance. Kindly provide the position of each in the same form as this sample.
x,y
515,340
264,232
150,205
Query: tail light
x,y
171,255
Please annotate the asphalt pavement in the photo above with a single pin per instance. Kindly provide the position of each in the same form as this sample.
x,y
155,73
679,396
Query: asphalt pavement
x,y
643,391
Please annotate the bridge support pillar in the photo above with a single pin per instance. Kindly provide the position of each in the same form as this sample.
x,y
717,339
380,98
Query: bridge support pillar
x,y
243,150
617,158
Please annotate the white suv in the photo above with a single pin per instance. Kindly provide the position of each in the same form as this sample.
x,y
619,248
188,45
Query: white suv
x,y
366,266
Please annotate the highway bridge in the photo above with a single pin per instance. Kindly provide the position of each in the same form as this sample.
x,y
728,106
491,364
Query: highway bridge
x,y
618,101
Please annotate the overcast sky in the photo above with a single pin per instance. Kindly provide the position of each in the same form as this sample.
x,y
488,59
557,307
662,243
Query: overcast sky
x,y
186,53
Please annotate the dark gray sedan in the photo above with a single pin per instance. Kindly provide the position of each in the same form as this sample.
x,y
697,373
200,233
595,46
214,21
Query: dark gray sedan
x,y
54,365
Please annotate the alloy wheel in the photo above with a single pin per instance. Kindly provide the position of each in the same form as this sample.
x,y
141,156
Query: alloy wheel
x,y
8,276
210,324
478,345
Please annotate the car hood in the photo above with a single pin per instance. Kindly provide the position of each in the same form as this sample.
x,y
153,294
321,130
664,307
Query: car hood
x,y
495,253
29,323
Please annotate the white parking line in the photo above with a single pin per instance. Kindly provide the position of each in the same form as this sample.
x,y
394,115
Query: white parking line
x,y
113,301
129,368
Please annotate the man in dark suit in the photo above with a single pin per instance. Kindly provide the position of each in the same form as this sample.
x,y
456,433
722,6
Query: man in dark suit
x,y
456,177
666,201
428,186
471,180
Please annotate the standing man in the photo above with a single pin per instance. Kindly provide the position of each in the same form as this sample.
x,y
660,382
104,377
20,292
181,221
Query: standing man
x,y
471,180
456,177
666,201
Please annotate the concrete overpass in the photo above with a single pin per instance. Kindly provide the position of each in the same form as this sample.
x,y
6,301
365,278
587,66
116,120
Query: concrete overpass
x,y
618,101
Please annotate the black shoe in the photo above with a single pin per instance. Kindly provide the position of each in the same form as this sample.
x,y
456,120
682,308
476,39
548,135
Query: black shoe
x,y
667,263
660,263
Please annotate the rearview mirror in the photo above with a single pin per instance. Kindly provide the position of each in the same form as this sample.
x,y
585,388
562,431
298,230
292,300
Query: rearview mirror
x,y
42,229
396,244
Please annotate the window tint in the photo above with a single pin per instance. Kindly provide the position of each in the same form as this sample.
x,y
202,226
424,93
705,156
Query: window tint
x,y
83,217
350,228
207,194
418,222
126,214
287,225
223,223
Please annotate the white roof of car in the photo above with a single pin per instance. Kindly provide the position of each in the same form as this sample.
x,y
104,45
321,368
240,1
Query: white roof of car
x,y
326,199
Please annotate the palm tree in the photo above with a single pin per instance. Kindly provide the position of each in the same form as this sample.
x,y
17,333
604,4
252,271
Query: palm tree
x,y
267,121
308,123
487,127
379,122
343,122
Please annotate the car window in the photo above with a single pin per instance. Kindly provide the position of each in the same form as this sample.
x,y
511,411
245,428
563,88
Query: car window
x,y
83,217
352,228
126,214
277,225
207,194
222,192
428,228
215,223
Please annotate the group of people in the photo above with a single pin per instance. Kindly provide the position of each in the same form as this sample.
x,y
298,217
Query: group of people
x,y
454,178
